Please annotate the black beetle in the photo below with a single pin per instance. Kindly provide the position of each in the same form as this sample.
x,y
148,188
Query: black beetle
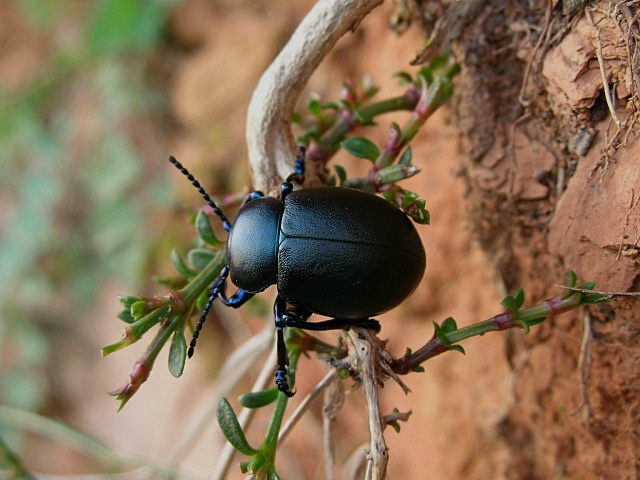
x,y
337,252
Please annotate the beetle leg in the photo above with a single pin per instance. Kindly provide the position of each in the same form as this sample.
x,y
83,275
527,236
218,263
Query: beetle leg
x,y
297,175
281,348
333,324
251,196
236,300
217,290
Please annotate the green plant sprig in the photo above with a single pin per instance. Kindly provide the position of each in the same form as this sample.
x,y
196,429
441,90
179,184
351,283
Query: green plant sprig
x,y
447,335
262,459
171,311
330,124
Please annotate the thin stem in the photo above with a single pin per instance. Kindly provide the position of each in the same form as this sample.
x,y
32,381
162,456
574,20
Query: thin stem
x,y
330,141
137,329
363,354
330,377
236,366
207,275
504,321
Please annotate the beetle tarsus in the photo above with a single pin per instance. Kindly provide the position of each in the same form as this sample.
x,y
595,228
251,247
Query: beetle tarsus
x,y
297,175
281,382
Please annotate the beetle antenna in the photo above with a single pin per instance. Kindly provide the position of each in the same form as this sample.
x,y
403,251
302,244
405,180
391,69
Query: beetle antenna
x,y
201,190
216,286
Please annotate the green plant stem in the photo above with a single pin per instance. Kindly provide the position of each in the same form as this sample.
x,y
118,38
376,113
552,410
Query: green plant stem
x,y
431,98
504,321
271,439
265,459
164,334
330,141
180,301
204,279
137,329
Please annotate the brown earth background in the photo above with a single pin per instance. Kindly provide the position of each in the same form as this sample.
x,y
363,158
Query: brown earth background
x,y
526,175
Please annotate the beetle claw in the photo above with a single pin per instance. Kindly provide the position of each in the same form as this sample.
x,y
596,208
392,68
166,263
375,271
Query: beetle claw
x,y
281,382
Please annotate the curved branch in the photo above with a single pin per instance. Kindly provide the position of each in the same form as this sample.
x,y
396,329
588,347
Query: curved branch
x,y
270,142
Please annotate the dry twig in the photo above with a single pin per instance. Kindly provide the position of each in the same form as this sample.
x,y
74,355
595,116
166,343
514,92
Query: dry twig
x,y
363,353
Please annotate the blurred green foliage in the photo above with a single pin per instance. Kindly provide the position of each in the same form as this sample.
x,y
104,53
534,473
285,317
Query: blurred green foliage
x,y
74,191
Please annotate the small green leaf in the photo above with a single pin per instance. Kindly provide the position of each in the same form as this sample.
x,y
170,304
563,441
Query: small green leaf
x,y
408,198
331,106
231,428
405,159
404,77
205,232
361,147
449,325
315,107
180,265
365,120
140,309
440,335
418,369
200,257
296,118
513,304
426,74
258,399
573,278
127,301
391,196
422,217
509,303
519,298
524,325
395,173
341,172
177,353
125,316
